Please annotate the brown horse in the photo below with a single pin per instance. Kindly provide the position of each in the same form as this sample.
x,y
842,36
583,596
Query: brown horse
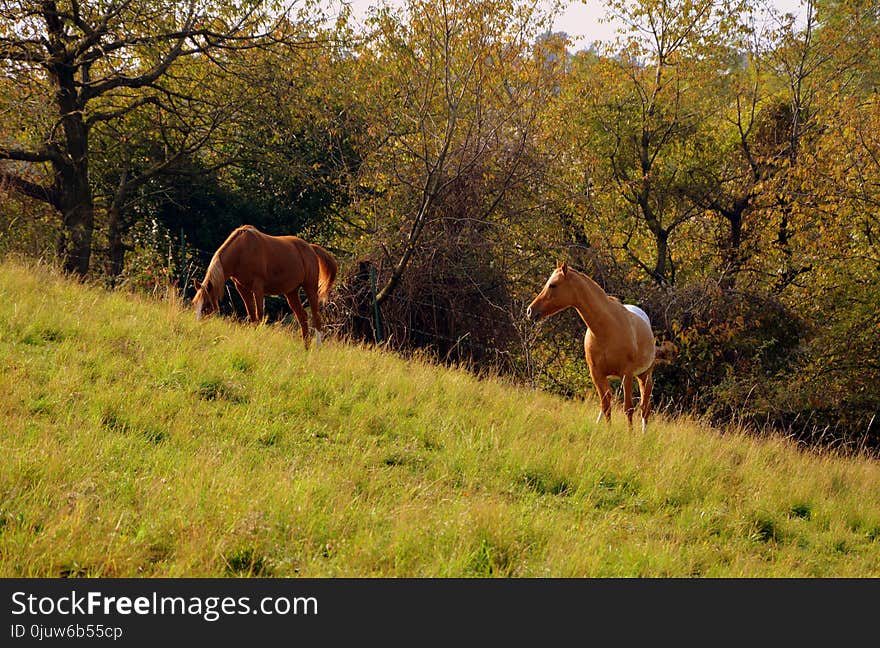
x,y
260,265
619,341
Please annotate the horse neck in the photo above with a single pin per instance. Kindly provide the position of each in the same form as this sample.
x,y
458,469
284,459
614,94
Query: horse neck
x,y
229,254
593,305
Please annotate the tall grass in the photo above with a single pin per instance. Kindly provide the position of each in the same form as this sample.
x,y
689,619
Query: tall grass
x,y
139,442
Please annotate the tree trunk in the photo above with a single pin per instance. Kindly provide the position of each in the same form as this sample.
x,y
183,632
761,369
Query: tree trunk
x,y
78,219
732,254
72,178
661,238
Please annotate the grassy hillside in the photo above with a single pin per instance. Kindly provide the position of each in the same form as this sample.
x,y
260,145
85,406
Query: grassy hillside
x,y
138,442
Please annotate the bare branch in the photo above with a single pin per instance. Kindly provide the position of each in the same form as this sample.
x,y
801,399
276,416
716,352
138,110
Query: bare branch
x,y
43,154
28,188
113,114
23,51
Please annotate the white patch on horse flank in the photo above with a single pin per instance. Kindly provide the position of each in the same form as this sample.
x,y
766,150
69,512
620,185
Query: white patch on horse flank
x,y
635,310
638,311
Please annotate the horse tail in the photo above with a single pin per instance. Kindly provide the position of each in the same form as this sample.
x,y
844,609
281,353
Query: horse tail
x,y
327,268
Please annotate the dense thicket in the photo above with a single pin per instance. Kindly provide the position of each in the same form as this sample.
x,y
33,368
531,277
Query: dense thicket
x,y
720,171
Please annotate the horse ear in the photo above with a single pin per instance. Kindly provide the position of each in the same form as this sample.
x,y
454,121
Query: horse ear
x,y
196,284
207,286
564,267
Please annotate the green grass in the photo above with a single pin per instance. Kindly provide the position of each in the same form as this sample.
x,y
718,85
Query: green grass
x,y
139,442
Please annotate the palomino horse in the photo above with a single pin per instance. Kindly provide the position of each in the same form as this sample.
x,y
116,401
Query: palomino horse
x,y
260,265
619,340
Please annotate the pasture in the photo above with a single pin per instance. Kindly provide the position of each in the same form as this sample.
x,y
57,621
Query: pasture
x,y
139,442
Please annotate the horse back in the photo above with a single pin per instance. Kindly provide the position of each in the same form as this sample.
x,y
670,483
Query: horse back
x,y
280,263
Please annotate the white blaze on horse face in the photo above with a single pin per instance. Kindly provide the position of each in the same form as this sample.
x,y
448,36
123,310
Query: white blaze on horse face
x,y
545,294
200,307
553,276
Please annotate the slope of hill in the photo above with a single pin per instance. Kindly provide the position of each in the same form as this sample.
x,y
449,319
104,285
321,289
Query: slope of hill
x,y
139,442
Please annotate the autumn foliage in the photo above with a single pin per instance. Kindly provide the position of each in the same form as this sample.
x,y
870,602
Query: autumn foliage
x,y
719,168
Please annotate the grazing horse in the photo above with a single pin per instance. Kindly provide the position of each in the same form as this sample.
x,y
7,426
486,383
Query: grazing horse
x,y
619,341
260,265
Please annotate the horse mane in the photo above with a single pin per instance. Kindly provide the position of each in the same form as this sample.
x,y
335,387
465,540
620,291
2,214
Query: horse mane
x,y
215,272
584,275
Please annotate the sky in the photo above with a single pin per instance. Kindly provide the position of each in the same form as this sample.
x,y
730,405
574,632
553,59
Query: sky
x,y
581,20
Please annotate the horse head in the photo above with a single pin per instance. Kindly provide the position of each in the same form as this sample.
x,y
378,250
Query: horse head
x,y
205,301
557,295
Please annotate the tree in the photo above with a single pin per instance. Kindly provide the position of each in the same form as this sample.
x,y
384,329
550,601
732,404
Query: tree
x,y
96,63
649,97
457,91
818,61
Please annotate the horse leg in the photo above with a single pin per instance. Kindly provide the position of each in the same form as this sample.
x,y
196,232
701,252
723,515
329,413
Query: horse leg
x,y
259,304
628,398
604,390
646,386
247,296
315,307
258,298
300,312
